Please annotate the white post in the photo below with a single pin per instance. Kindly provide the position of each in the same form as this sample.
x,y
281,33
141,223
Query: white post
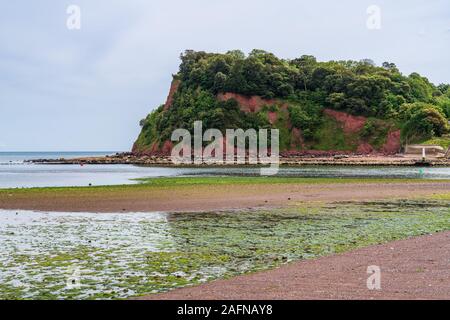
x,y
423,154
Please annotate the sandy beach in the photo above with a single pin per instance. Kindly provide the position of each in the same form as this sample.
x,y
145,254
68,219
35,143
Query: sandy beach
x,y
416,268
203,197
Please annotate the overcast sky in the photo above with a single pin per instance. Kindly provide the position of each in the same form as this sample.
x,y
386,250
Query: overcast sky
x,y
87,89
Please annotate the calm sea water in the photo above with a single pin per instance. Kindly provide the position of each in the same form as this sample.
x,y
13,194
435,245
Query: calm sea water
x,y
15,173
20,157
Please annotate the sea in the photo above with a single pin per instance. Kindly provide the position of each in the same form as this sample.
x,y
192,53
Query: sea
x,y
16,172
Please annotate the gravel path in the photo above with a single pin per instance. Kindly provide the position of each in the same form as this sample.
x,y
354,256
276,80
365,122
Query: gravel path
x,y
416,268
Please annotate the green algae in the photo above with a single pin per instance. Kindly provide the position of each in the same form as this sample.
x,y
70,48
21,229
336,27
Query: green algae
x,y
125,255
166,183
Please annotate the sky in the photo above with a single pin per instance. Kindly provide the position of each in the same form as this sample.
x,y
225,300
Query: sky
x,y
86,89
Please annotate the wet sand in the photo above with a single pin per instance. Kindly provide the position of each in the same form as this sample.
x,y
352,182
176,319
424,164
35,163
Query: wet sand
x,y
416,268
210,197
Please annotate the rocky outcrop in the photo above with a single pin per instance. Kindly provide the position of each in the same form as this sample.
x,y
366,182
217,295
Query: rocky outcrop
x,y
393,143
297,140
350,124
173,89
135,149
365,148
273,116
251,103
154,150
287,158
354,124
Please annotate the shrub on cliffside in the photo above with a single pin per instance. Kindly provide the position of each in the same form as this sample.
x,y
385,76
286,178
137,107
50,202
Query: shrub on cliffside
x,y
422,121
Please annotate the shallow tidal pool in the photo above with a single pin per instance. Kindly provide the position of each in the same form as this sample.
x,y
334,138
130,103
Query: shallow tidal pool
x,y
119,255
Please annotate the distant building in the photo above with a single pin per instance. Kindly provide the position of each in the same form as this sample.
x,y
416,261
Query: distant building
x,y
425,150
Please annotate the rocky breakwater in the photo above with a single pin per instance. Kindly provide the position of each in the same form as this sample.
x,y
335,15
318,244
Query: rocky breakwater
x,y
286,159
119,158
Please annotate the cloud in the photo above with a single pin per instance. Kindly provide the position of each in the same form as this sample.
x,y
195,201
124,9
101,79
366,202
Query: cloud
x,y
422,32
89,88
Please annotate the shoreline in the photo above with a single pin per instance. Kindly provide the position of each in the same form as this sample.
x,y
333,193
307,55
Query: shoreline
x,y
208,194
312,160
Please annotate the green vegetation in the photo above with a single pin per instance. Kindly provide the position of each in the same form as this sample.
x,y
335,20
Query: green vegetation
x,y
163,183
330,136
191,105
375,131
445,196
124,255
410,103
422,121
443,141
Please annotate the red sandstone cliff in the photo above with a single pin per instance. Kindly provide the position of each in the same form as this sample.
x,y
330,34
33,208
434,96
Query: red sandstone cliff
x,y
350,124
173,89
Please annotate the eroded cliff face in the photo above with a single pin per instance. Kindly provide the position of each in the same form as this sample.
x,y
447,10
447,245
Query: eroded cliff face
x,y
354,124
350,125
173,89
393,143
156,148
249,104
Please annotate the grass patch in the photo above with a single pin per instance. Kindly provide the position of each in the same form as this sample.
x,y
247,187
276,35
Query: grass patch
x,y
444,142
149,183
331,136
444,196
375,132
